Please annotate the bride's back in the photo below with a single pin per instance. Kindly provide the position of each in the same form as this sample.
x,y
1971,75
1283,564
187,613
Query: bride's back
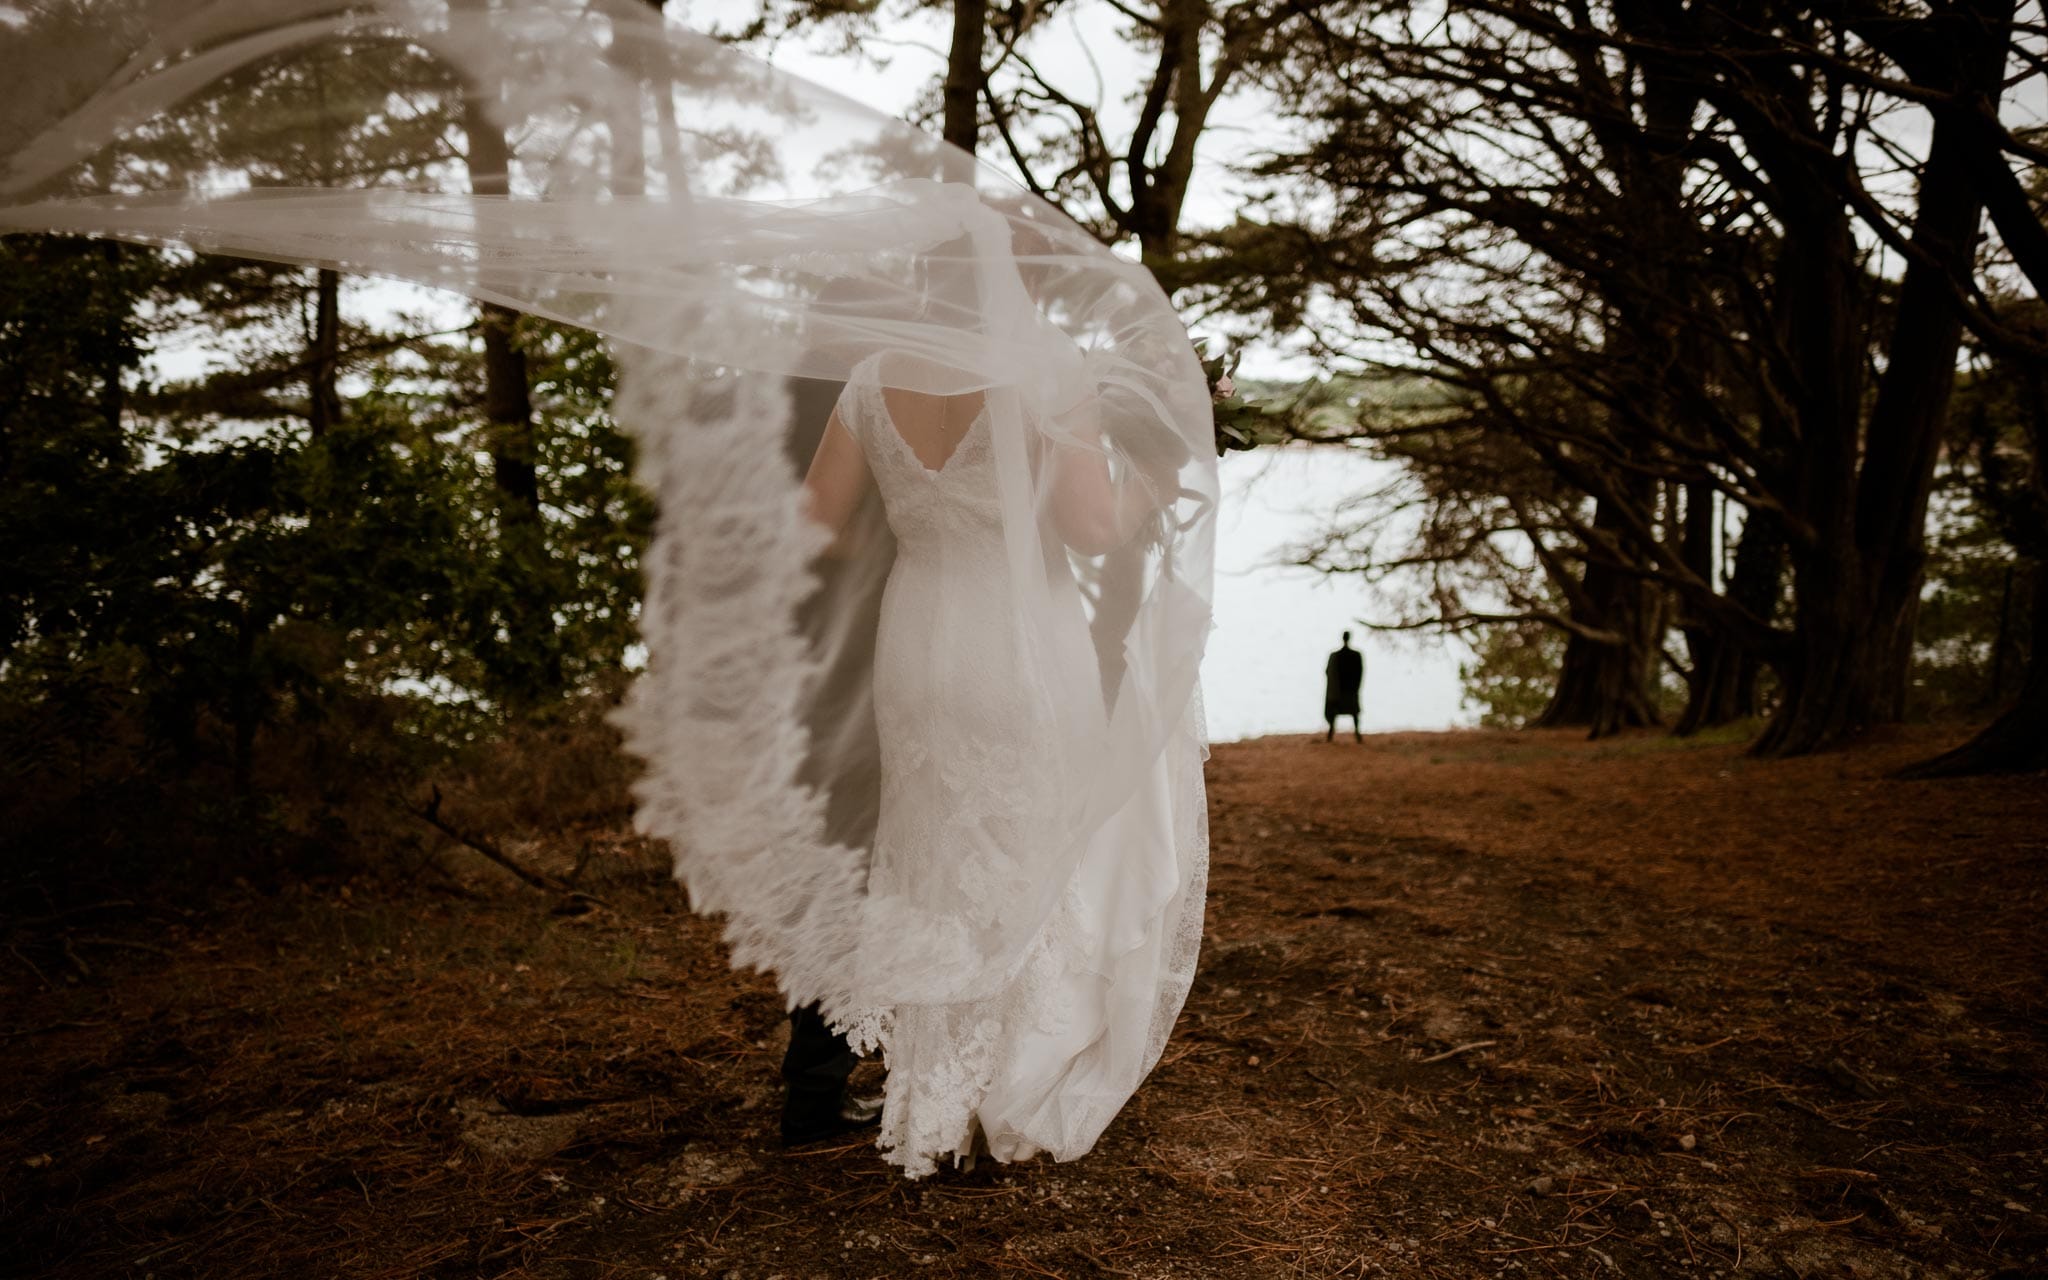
x,y
933,426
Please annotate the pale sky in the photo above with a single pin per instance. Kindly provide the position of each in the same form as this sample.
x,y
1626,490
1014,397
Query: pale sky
x,y
1275,625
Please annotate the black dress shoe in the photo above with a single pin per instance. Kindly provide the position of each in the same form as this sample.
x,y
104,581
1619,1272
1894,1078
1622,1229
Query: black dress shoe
x,y
805,1121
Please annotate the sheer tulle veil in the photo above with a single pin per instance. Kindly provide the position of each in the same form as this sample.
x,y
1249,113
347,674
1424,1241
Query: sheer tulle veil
x,y
741,235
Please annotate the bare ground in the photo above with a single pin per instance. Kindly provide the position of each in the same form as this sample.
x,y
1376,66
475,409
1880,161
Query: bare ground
x,y
1471,1005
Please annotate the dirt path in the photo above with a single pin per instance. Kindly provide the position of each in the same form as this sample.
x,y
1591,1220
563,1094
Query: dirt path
x,y
1471,1005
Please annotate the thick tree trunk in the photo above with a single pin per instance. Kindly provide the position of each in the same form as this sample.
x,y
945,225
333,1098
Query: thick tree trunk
x,y
1722,688
963,74
1607,687
2017,741
1603,688
1859,582
1820,320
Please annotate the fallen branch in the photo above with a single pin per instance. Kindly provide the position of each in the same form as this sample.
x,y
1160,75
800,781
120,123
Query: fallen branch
x,y
36,921
16,951
431,815
127,944
84,970
54,1026
1463,1048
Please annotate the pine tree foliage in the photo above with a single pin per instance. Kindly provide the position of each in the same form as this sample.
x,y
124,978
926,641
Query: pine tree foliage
x,y
206,595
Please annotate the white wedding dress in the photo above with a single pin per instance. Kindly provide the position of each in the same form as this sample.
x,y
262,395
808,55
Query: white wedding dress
x,y
970,770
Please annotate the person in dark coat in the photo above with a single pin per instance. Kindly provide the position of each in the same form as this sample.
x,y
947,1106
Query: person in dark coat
x,y
1343,675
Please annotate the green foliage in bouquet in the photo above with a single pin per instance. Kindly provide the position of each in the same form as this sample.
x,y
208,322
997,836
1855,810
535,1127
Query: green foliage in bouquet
x,y
1240,423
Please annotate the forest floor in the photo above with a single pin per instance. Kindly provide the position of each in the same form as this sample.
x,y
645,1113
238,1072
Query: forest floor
x,y
1470,1005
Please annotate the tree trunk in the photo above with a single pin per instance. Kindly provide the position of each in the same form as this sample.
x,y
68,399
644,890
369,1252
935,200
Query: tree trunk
x,y
245,706
1159,177
2016,742
534,666
963,74
2001,645
1603,688
1607,687
113,396
323,395
1859,581
1722,687
324,371
1710,687
508,407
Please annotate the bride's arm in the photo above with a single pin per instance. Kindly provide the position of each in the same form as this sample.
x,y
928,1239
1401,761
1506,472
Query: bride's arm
x,y
836,483
1093,513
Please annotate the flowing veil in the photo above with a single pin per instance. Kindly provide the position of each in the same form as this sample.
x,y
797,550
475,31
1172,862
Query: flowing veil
x,y
733,230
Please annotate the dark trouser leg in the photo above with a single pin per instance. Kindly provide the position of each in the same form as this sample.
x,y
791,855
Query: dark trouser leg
x,y
819,1060
815,1068
1330,734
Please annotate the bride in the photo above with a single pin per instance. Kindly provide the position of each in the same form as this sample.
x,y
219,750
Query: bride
x,y
967,825
1043,1063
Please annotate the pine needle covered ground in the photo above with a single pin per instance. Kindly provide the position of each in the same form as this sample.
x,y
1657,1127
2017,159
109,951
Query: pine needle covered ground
x,y
1471,1005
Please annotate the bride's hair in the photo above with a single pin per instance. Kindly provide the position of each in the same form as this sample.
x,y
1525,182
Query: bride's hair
x,y
949,288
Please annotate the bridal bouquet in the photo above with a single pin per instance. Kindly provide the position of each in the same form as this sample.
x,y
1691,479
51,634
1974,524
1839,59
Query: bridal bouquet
x,y
1240,423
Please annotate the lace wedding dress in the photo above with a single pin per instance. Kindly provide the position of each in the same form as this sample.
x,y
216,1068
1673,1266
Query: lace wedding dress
x,y
970,769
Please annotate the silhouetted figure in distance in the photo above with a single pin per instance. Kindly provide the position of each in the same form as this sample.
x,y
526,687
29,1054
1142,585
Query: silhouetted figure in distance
x,y
1343,674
